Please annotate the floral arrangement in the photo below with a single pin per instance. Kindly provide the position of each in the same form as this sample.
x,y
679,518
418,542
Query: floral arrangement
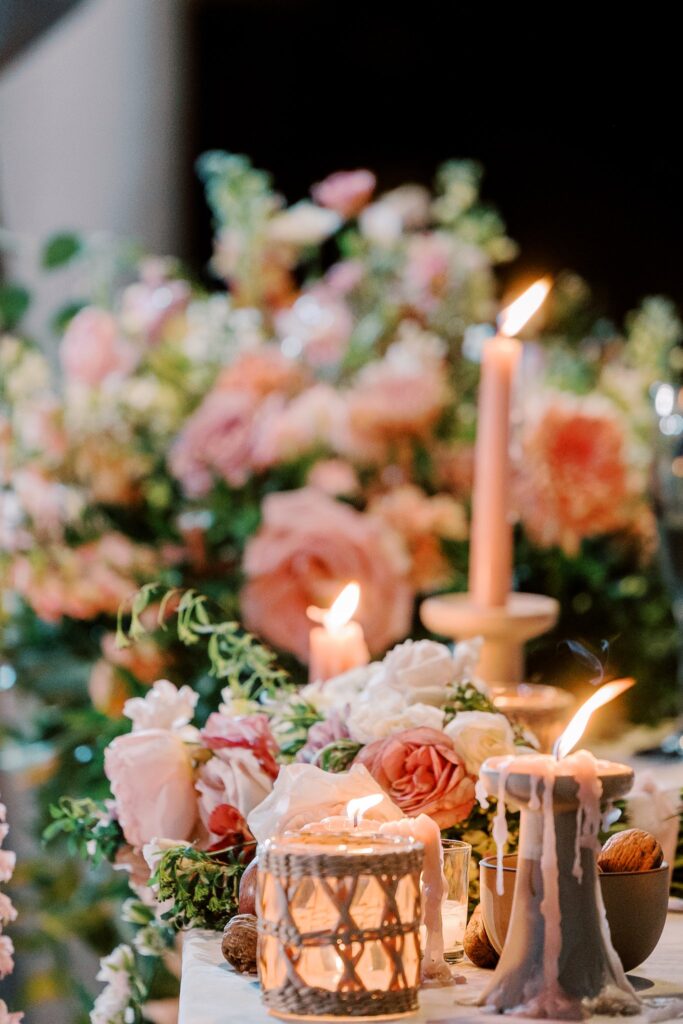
x,y
7,915
309,423
186,789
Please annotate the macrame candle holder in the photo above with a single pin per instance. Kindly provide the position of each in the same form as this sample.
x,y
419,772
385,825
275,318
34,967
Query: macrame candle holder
x,y
338,921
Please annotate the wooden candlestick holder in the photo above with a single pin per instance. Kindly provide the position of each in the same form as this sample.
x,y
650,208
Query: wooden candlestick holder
x,y
505,629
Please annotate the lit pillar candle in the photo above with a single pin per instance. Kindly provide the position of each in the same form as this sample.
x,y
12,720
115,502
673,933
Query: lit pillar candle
x,y
490,571
337,644
558,961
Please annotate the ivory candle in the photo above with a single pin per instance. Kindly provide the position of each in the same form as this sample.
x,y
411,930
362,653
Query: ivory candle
x,y
490,569
337,644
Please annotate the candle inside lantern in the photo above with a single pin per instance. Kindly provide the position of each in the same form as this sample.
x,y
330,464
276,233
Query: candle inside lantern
x,y
425,830
338,643
338,919
558,959
490,570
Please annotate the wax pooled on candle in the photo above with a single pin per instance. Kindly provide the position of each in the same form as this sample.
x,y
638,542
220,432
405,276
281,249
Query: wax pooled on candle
x,y
425,829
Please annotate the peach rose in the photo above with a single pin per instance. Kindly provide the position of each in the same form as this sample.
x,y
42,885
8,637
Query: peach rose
x,y
308,547
150,773
575,480
216,441
92,348
403,394
345,192
263,371
421,772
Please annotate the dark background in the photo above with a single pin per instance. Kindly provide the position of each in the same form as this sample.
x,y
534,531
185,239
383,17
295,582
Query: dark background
x,y
576,123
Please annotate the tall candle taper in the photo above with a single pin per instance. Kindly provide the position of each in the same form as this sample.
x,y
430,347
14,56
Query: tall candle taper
x,y
490,573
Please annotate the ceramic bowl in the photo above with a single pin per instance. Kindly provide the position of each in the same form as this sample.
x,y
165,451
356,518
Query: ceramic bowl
x,y
635,902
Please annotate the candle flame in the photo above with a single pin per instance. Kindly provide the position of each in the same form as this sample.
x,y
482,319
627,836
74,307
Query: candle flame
x,y
514,316
577,726
341,612
356,808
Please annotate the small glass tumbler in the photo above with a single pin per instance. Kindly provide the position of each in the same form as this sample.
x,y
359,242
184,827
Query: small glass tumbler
x,y
456,868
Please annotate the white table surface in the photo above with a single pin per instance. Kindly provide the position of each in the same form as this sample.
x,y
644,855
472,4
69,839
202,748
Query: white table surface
x,y
213,993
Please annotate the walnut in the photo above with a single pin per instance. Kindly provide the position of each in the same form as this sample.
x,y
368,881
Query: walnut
x,y
477,944
632,850
239,943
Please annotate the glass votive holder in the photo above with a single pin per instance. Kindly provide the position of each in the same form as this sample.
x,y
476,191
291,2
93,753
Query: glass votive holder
x,y
456,869
543,710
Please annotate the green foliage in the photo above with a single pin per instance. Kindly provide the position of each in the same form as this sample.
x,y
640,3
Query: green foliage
x,y
65,314
466,697
248,666
338,756
88,829
14,302
294,718
60,249
204,887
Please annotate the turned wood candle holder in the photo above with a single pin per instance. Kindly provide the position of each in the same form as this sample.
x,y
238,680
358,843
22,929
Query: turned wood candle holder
x,y
558,959
505,628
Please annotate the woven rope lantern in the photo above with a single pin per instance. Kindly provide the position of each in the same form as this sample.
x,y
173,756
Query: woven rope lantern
x,y
338,919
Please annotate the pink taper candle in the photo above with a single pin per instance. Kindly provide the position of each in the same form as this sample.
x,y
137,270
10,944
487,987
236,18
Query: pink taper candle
x,y
337,645
490,575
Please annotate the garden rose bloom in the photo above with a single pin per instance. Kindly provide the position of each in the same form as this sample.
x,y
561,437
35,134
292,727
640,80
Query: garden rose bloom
x,y
234,778
574,479
263,371
477,735
346,192
334,477
216,441
404,393
421,772
421,671
223,733
308,547
93,350
150,774
423,521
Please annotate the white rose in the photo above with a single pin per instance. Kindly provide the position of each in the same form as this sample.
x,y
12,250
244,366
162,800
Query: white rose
x,y
421,670
414,716
381,224
233,777
477,735
335,694
367,714
303,224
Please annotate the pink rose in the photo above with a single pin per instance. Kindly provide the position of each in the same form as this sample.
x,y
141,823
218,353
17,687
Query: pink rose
x,y
334,477
403,394
149,305
346,192
262,372
216,441
92,348
286,431
308,547
421,772
251,732
574,479
150,773
233,777
8,912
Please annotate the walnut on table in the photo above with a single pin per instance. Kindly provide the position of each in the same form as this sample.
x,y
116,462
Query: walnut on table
x,y
477,944
239,943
